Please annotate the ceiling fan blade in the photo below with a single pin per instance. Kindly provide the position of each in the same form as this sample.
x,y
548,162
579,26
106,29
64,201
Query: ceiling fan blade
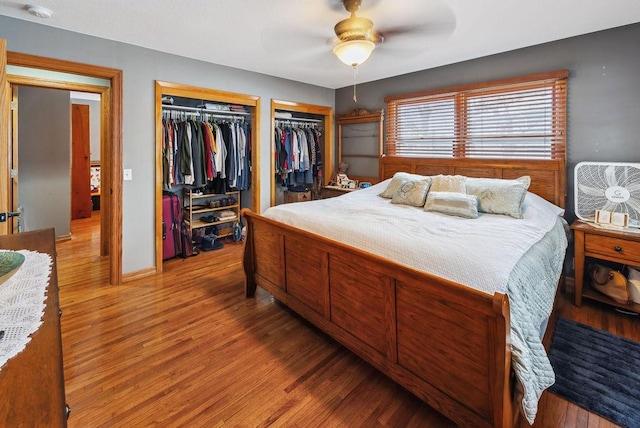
x,y
435,29
413,40
277,40
313,51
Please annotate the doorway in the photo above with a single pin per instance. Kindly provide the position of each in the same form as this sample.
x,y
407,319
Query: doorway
x,y
47,195
111,138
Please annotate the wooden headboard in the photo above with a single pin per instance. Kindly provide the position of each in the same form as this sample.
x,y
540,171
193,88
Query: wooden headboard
x,y
548,176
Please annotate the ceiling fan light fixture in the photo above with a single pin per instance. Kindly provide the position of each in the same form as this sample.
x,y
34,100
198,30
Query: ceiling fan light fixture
x,y
354,52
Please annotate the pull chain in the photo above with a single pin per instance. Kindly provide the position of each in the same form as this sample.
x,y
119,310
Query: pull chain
x,y
355,74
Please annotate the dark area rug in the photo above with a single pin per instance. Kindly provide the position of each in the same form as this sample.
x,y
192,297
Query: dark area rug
x,y
597,371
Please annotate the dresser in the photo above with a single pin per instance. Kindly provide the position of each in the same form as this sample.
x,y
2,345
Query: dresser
x,y
32,382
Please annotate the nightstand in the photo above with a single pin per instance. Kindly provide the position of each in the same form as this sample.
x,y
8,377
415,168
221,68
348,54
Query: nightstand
x,y
333,191
616,246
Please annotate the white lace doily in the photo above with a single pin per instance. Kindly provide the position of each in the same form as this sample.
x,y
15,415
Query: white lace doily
x,y
22,305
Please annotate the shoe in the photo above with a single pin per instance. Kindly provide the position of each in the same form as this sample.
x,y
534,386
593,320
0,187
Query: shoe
x,y
209,218
211,242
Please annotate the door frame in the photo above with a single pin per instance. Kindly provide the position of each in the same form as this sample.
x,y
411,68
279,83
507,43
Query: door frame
x,y
110,140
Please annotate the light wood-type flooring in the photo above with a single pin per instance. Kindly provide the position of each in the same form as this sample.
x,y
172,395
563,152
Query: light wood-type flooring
x,y
186,349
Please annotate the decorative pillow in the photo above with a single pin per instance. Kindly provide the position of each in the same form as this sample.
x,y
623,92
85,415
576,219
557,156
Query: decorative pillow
x,y
448,183
412,192
452,203
396,182
498,196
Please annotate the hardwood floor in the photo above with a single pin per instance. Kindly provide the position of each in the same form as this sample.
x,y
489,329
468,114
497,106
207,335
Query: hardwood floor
x,y
186,348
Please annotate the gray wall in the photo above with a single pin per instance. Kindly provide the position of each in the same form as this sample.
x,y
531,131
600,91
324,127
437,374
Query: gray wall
x,y
44,159
603,97
141,67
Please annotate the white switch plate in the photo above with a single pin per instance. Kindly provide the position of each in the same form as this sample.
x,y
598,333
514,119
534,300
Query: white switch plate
x,y
127,174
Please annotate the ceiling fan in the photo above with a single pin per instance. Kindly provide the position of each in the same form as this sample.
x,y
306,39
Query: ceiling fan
x,y
356,36
376,28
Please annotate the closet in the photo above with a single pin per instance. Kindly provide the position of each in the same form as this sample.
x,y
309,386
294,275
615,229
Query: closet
x,y
206,147
302,150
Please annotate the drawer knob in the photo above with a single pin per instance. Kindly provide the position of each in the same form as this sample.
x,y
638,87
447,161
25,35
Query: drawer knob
x,y
618,248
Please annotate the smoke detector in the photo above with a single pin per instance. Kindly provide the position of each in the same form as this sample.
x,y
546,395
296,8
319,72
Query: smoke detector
x,y
39,11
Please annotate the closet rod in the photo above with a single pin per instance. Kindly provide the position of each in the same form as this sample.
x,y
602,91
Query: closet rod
x,y
295,119
299,119
205,110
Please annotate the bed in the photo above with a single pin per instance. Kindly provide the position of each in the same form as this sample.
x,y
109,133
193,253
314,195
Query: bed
x,y
448,343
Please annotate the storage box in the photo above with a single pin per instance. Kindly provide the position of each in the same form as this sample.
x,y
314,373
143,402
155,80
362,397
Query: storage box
x,y
296,197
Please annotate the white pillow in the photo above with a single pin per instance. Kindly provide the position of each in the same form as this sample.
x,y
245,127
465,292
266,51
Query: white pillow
x,y
448,183
452,203
412,192
499,196
533,202
396,182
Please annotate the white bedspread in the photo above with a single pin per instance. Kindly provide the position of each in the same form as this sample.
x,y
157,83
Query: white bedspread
x,y
480,253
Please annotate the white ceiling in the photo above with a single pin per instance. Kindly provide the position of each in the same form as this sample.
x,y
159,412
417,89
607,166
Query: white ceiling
x,y
292,38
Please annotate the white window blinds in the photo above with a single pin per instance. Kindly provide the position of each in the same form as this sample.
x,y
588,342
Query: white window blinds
x,y
516,118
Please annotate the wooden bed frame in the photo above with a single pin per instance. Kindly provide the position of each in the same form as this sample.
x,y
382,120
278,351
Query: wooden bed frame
x,y
446,343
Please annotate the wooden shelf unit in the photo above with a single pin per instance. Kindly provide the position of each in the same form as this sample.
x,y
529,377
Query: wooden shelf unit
x,y
360,140
194,211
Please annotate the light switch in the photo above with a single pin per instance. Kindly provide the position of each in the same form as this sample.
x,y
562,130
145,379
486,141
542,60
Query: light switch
x,y
127,175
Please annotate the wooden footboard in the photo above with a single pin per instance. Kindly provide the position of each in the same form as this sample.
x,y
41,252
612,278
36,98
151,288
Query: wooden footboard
x,y
446,343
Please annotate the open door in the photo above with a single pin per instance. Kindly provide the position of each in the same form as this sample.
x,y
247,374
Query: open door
x,y
80,162
5,182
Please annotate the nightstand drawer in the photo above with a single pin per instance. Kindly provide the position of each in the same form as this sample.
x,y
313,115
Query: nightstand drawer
x,y
612,247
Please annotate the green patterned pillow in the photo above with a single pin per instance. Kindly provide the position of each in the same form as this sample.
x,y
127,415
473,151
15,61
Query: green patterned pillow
x,y
498,196
412,192
398,179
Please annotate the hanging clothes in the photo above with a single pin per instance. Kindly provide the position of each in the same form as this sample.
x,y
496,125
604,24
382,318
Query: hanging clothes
x,y
205,152
297,155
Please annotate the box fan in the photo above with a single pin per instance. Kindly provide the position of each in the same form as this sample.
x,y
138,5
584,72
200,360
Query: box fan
x,y
613,187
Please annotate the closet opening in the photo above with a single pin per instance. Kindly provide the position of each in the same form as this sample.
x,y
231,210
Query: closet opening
x,y
206,153
302,151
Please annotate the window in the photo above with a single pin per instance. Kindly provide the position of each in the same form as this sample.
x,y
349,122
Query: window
x,y
523,117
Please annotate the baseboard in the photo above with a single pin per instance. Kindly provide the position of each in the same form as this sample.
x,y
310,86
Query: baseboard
x,y
63,238
139,274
